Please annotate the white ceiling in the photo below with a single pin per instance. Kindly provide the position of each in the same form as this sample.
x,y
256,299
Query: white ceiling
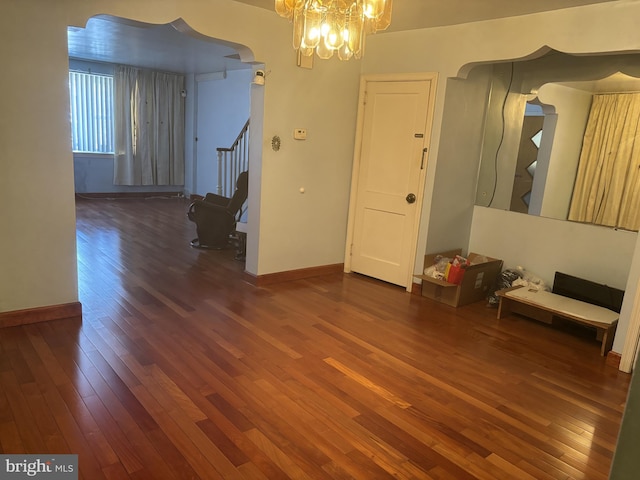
x,y
158,47
412,14
618,82
164,47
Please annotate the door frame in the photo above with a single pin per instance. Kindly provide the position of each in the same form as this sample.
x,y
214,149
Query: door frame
x,y
353,197
631,347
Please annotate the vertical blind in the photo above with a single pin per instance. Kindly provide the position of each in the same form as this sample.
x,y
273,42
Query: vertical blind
x,y
91,112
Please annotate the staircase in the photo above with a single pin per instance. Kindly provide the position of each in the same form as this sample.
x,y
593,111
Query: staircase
x,y
232,161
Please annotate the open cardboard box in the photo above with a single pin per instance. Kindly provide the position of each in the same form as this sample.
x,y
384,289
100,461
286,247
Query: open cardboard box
x,y
476,284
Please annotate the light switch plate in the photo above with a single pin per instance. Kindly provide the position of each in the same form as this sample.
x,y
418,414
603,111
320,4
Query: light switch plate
x,y
300,134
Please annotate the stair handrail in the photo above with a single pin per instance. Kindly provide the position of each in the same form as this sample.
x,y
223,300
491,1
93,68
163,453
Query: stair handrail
x,y
237,140
231,162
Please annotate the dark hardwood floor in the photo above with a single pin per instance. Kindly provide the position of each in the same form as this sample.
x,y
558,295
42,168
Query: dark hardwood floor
x,y
182,369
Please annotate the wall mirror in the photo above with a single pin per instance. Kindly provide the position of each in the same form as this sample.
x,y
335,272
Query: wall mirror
x,y
534,125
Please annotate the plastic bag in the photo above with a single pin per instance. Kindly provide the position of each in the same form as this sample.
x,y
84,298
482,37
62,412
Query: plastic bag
x,y
529,280
512,277
504,280
448,269
439,267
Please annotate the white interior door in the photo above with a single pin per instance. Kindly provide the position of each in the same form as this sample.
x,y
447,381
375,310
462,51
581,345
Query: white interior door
x,y
388,180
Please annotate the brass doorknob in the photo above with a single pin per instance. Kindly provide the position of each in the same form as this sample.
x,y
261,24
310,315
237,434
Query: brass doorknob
x,y
411,198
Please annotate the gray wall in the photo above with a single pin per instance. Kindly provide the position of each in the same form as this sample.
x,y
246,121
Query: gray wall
x,y
94,174
223,108
626,461
458,158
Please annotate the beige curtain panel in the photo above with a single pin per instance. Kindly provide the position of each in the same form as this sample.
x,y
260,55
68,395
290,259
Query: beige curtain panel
x,y
607,188
149,134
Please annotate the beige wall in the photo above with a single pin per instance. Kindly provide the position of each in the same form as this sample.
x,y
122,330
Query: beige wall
x,y
37,237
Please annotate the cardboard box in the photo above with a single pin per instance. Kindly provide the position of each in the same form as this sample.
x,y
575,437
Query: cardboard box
x,y
477,283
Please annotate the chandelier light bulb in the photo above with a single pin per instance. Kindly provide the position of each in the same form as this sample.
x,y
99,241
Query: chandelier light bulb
x,y
329,26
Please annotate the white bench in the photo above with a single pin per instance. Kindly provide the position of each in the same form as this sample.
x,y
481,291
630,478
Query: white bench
x,y
543,306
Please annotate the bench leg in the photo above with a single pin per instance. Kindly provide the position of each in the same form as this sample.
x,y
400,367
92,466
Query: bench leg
x,y
608,335
504,308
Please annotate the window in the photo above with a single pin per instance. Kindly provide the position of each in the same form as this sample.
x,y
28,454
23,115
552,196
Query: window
x,y
91,112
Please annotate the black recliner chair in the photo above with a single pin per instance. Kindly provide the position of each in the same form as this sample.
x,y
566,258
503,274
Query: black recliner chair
x,y
215,216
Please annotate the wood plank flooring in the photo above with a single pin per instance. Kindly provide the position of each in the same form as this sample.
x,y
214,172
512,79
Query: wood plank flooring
x,y
180,369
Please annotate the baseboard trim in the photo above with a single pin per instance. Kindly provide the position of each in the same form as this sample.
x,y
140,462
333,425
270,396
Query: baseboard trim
x,y
300,274
613,359
125,195
40,314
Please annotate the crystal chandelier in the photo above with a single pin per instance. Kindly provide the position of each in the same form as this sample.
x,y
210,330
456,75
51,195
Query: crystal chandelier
x,y
334,26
